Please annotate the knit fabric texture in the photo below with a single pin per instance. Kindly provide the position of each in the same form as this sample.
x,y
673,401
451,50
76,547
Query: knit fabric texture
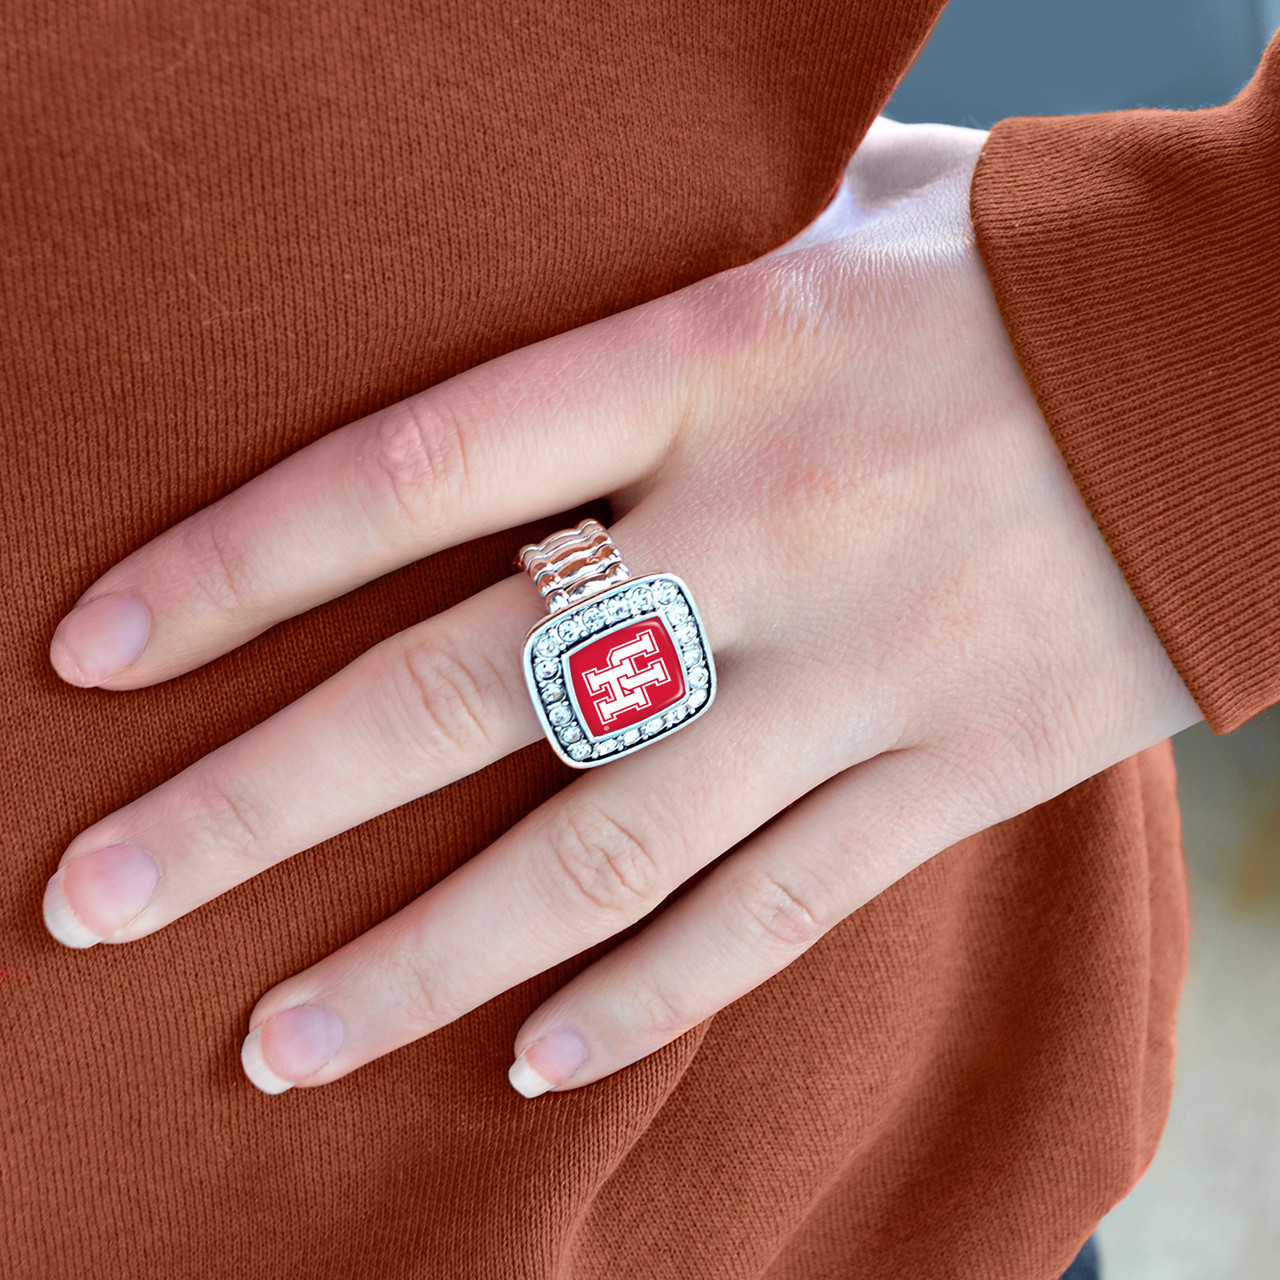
x,y
233,228
1135,257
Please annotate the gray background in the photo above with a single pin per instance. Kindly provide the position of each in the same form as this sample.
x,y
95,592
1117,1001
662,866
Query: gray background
x,y
1209,1206
994,58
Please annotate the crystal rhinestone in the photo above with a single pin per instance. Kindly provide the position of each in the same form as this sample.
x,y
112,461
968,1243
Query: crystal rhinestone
x,y
678,611
699,677
569,630
697,697
686,633
615,608
553,692
546,645
665,592
570,733
676,714
651,727
631,737
607,747
692,654
641,600
545,669
560,714
592,619
579,751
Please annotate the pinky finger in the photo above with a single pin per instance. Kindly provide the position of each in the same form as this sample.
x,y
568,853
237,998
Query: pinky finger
x,y
823,858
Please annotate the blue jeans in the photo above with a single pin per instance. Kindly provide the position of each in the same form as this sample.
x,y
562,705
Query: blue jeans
x,y
1085,1264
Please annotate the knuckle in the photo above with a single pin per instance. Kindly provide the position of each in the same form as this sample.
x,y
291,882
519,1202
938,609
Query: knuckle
x,y
599,864
224,822
445,702
660,1016
424,1002
417,455
783,915
217,563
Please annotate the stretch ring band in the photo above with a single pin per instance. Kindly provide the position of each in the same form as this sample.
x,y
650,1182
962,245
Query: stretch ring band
x,y
618,662
573,564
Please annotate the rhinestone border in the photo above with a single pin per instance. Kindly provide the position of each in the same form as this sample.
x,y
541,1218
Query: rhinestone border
x,y
549,644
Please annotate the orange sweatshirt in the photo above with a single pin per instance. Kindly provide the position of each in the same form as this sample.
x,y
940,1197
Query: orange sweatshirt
x,y
230,228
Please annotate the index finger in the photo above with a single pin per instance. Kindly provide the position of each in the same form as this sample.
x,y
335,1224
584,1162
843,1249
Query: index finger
x,y
528,434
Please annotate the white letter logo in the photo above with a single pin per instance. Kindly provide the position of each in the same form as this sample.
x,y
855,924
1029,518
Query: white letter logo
x,y
622,685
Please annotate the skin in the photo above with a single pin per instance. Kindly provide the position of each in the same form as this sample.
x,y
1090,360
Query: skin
x,y
835,448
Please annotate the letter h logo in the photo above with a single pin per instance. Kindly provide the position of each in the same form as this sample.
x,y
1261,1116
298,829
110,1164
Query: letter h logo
x,y
622,685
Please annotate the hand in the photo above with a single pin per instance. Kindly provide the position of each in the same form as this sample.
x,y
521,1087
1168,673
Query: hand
x,y
918,631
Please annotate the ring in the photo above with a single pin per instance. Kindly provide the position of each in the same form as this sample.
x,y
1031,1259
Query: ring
x,y
619,662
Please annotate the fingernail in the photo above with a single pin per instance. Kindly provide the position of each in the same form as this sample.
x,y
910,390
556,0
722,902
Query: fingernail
x,y
293,1044
90,898
61,921
98,639
547,1063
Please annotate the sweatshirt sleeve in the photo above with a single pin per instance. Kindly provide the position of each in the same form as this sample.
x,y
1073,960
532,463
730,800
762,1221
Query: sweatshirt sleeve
x,y
1135,259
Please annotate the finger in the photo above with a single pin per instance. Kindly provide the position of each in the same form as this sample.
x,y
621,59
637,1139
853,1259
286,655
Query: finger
x,y
533,432
755,914
591,861
418,711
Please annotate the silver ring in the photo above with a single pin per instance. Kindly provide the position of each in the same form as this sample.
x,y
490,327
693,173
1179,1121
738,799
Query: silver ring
x,y
619,662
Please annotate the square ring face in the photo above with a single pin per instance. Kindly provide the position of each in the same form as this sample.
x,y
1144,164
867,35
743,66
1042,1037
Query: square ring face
x,y
619,671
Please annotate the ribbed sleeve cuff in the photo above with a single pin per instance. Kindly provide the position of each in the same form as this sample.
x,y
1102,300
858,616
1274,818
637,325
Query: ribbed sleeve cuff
x,y
1135,258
